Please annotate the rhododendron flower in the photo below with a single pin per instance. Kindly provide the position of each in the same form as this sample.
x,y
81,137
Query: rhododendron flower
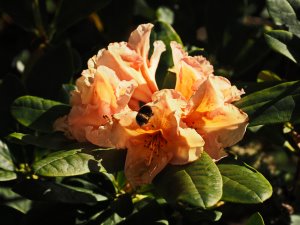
x,y
99,94
163,139
130,61
209,110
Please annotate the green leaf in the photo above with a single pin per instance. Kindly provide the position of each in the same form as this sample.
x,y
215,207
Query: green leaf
x,y
6,161
165,14
283,13
54,192
38,113
71,12
55,141
164,32
21,12
284,43
123,205
196,215
272,105
255,219
244,184
64,163
295,219
7,175
198,184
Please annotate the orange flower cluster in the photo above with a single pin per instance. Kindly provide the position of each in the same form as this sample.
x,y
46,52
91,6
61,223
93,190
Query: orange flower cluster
x,y
173,126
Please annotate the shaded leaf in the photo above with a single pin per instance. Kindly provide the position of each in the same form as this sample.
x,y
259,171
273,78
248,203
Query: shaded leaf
x,y
7,175
284,43
38,113
123,205
255,219
54,192
63,163
50,67
198,184
21,12
55,141
71,12
164,32
272,105
244,184
6,161
10,216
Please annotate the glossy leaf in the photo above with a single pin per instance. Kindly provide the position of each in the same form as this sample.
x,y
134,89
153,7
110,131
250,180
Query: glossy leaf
x,y
7,175
54,192
165,32
244,184
198,184
255,219
284,43
64,163
272,105
38,113
6,161
71,12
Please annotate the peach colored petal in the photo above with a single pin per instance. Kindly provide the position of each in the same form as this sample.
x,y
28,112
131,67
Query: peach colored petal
x,y
130,61
163,139
189,70
99,94
220,128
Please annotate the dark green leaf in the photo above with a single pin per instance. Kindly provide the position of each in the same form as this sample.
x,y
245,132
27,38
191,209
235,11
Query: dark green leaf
x,y
123,205
146,212
6,161
55,141
198,184
112,160
50,67
197,215
54,192
255,219
165,32
243,184
71,12
64,163
277,104
38,113
284,43
7,175
10,216
21,12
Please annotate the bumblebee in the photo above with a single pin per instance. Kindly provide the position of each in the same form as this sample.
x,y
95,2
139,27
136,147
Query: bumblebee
x,y
144,115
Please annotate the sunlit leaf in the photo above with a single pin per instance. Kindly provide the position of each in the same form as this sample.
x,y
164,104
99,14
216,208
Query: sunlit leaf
x,y
198,184
255,219
244,184
64,163
38,113
7,175
6,161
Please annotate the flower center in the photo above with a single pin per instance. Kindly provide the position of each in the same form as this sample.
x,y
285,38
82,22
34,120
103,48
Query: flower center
x,y
154,143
